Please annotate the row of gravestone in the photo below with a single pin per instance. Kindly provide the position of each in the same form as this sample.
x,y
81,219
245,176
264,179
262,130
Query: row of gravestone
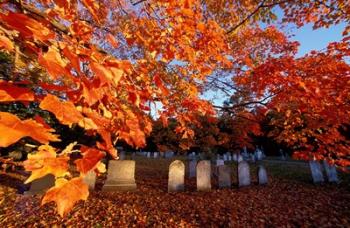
x,y
121,177
317,173
168,154
203,173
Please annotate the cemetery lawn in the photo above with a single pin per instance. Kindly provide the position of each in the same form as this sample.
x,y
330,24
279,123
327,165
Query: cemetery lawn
x,y
290,199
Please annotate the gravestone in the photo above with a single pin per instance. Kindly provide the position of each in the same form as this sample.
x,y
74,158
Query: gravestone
x,y
229,156
192,168
224,176
90,179
176,181
252,157
331,172
262,175
169,154
220,162
258,154
243,174
283,157
122,155
120,176
239,158
39,186
225,157
148,154
133,155
316,172
155,155
234,157
203,176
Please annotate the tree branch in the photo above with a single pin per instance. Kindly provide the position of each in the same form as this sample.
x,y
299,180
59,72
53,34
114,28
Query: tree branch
x,y
261,5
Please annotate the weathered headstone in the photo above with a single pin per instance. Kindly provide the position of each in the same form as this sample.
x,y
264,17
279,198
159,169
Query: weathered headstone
x,y
316,171
220,162
120,176
239,158
122,155
243,174
234,157
203,176
39,186
262,175
90,179
224,176
225,157
169,154
155,155
192,168
148,154
331,172
283,157
252,157
176,181
258,154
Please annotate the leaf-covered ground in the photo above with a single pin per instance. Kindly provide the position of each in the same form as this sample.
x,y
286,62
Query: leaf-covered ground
x,y
288,200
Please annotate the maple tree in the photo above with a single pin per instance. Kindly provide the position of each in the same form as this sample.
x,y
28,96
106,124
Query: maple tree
x,y
99,64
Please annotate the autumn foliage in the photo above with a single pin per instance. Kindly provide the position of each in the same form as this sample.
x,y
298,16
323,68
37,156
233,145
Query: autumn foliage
x,y
104,64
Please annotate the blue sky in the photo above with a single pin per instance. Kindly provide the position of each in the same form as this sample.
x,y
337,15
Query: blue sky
x,y
310,39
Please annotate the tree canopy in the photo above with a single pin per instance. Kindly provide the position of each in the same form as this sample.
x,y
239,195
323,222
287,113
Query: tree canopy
x,y
102,65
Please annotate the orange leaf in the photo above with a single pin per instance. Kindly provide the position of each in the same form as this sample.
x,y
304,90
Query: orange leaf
x,y
6,43
45,162
64,111
66,193
53,63
13,129
89,161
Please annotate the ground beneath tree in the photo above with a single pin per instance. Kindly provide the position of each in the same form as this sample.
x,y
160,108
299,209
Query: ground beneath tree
x,y
288,200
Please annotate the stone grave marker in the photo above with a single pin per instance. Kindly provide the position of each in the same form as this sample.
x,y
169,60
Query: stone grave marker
x,y
176,181
224,176
243,174
331,172
192,168
39,186
148,154
90,179
220,162
252,157
120,176
234,157
316,172
122,155
259,155
262,175
203,176
239,158
155,155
